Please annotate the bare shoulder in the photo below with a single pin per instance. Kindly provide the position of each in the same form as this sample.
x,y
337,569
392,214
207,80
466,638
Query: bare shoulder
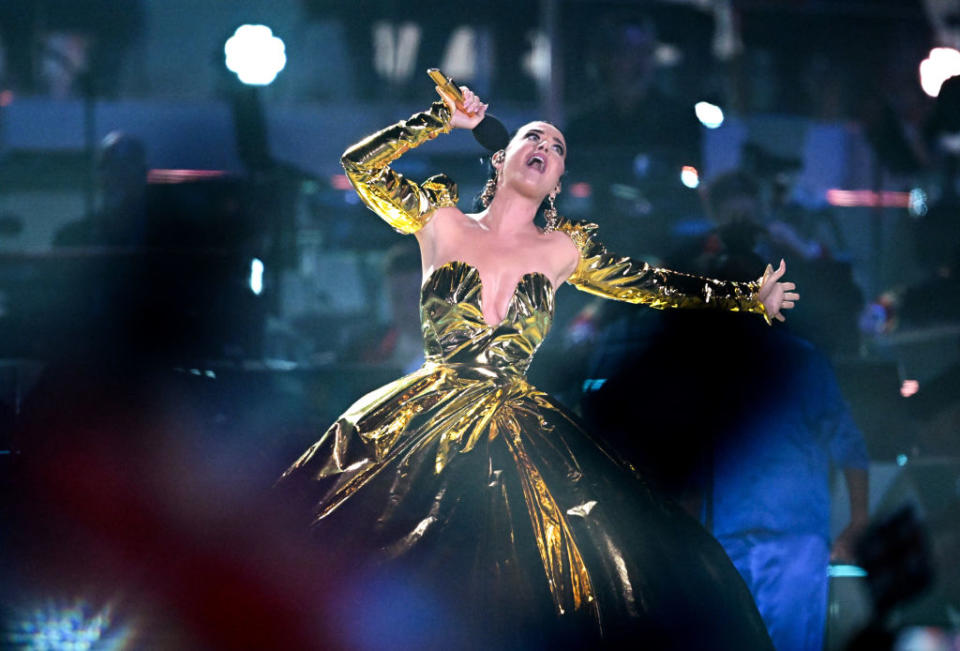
x,y
563,253
447,227
443,222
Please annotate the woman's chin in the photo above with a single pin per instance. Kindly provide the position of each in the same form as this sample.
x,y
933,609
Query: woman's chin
x,y
533,187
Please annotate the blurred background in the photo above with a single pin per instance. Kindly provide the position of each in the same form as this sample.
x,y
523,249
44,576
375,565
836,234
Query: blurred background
x,y
190,291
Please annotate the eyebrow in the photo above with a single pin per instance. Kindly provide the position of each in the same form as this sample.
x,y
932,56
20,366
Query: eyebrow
x,y
540,131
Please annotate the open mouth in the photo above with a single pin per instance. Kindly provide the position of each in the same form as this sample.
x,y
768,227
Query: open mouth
x,y
537,162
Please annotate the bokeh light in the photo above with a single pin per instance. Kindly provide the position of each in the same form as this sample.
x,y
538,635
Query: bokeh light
x,y
67,626
710,115
941,64
690,177
255,55
256,276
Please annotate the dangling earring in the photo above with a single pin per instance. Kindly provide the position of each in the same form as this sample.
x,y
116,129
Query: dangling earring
x,y
550,212
490,188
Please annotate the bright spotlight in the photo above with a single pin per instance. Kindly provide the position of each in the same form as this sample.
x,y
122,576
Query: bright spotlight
x,y
710,115
256,276
255,55
941,64
690,177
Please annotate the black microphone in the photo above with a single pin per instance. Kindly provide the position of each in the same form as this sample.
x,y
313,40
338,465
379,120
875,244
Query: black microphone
x,y
490,132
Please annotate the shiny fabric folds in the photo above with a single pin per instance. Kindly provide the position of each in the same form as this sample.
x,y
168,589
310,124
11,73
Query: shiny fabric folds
x,y
611,276
486,494
471,389
402,203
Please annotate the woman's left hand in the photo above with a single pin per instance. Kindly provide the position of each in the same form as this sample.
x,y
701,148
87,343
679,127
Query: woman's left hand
x,y
468,113
774,295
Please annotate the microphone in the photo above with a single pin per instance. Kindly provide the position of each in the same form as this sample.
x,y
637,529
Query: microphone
x,y
490,132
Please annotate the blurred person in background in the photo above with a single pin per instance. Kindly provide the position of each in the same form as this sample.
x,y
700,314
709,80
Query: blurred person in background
x,y
934,300
631,111
753,459
121,220
480,495
55,50
744,229
637,135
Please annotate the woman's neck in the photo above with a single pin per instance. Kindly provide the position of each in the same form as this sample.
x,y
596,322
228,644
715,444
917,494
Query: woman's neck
x,y
510,212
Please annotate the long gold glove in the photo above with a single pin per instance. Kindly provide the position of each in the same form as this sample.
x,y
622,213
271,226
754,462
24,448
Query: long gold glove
x,y
611,276
402,203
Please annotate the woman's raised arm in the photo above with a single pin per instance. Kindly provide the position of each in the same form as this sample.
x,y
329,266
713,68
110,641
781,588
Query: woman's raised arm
x,y
404,204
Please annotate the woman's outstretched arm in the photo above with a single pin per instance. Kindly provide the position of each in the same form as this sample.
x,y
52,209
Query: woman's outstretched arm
x,y
621,278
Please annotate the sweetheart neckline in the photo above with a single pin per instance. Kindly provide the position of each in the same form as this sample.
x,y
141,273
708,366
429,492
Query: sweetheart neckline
x,y
513,295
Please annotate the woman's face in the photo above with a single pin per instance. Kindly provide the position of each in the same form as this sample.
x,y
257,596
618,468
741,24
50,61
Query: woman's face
x,y
534,160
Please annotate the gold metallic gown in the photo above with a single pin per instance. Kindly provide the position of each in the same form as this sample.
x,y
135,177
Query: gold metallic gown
x,y
486,495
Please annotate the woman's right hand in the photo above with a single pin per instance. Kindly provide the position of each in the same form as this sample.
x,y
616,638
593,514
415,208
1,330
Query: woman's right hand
x,y
471,103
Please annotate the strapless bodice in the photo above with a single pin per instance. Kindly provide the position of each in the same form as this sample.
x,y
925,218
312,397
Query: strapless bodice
x,y
455,332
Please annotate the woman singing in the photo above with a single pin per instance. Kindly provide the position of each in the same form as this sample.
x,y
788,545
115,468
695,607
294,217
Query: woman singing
x,y
466,485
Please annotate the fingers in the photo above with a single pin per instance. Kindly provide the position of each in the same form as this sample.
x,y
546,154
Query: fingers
x,y
791,296
787,305
779,317
472,103
782,269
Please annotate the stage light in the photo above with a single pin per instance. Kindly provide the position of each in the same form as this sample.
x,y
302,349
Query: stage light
x,y
909,388
840,570
868,198
918,203
902,460
710,115
76,626
593,384
255,55
256,276
690,177
941,64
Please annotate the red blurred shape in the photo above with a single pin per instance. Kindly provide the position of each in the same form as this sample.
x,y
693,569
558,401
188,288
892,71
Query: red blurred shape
x,y
340,182
868,198
581,190
6,97
182,176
